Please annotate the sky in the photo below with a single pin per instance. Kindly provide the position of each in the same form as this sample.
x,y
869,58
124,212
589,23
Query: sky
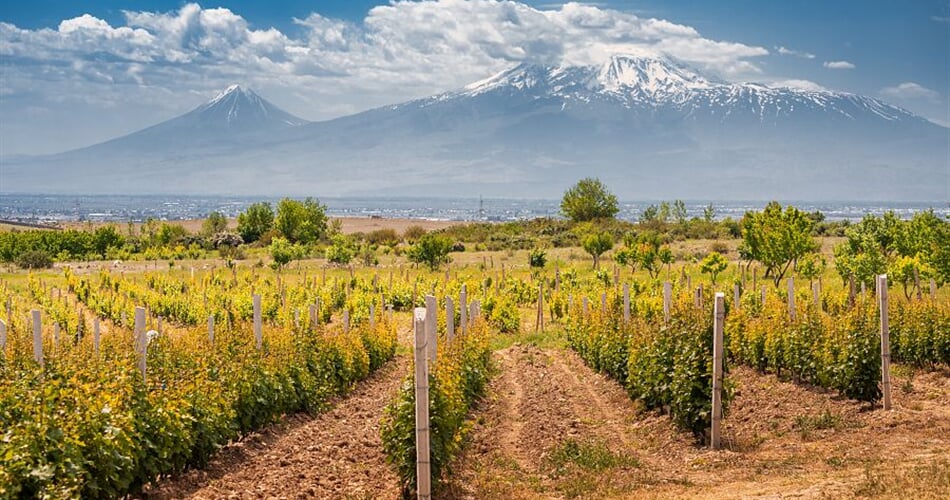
x,y
77,73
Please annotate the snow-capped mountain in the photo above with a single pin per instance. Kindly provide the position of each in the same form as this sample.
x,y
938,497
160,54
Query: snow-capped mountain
x,y
650,127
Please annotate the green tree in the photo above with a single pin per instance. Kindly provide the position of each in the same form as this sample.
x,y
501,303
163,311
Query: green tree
x,y
214,224
666,258
713,264
342,250
283,252
596,244
431,249
589,199
255,221
776,238
679,212
301,221
811,266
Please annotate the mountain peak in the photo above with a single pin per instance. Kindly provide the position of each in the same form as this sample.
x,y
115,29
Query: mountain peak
x,y
238,107
622,74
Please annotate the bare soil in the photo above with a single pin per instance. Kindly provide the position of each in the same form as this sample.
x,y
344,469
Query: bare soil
x,y
781,439
336,454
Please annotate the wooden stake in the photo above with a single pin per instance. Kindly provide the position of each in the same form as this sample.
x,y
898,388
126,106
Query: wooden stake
x,y
37,336
586,307
667,299
539,325
432,323
258,327
917,284
816,296
735,295
791,299
719,315
346,321
423,467
463,308
626,303
211,329
603,303
449,319
95,335
140,339
885,341
3,339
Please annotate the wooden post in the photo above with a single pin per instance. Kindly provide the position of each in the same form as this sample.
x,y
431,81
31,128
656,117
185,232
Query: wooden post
x,y
141,341
816,296
432,333
735,295
557,279
791,299
211,329
667,299
626,303
539,313
472,312
698,297
3,338
463,309
372,316
55,336
603,303
864,290
423,472
719,315
37,336
851,289
449,319
502,271
586,307
95,335
258,327
885,342
346,321
762,295
755,277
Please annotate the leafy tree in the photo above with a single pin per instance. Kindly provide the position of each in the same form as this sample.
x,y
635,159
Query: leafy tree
x,y
777,238
255,221
283,252
106,237
666,258
170,234
589,199
713,264
709,213
679,212
904,270
811,266
34,259
341,251
596,244
301,221
860,257
431,249
214,224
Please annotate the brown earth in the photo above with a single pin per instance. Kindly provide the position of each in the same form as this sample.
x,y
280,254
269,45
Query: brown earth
x,y
336,454
781,439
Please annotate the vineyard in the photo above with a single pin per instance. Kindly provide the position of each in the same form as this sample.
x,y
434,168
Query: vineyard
x,y
116,382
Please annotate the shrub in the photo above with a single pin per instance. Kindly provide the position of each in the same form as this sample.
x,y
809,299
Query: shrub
x,y
537,258
35,259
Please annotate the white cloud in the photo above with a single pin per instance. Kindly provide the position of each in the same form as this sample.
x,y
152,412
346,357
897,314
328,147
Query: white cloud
x,y
797,84
911,91
940,19
838,65
797,53
331,67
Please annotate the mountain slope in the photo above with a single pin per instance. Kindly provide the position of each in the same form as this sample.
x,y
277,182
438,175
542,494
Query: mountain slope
x,y
649,127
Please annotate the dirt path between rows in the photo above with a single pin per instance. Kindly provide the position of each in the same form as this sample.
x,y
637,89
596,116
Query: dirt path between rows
x,y
336,454
552,428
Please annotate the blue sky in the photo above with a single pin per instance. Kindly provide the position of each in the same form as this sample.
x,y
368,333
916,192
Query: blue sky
x,y
74,73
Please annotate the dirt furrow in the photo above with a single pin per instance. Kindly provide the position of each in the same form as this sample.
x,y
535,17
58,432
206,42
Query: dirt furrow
x,y
336,454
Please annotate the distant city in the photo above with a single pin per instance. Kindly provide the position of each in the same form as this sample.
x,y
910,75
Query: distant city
x,y
54,209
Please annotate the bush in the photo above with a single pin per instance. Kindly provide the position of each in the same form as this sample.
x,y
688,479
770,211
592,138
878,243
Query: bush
x,y
34,259
413,233
537,258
